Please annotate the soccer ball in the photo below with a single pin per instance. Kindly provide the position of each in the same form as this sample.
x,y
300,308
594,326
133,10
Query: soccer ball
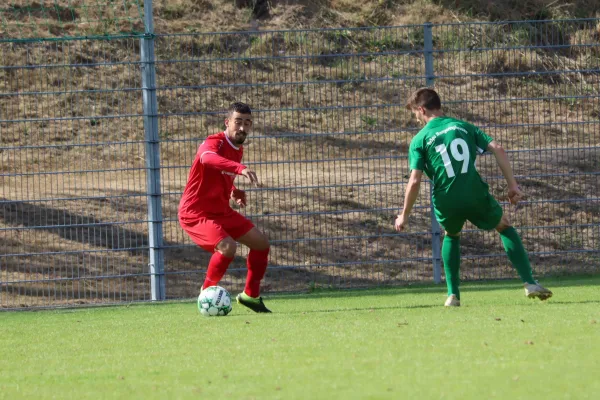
x,y
214,301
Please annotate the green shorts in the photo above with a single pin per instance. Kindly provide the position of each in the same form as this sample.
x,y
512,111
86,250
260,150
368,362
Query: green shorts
x,y
485,213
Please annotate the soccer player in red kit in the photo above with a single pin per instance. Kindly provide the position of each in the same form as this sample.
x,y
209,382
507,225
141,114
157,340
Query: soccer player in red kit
x,y
207,217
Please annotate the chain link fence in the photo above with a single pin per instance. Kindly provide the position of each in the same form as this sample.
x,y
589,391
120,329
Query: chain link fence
x,y
97,137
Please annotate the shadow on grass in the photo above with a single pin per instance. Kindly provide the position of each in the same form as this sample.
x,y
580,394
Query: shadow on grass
x,y
332,310
349,309
432,288
576,302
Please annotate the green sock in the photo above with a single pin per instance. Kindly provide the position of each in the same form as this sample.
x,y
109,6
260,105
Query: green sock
x,y
516,253
451,257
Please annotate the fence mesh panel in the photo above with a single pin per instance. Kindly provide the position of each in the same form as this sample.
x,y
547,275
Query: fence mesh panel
x,y
330,143
73,215
534,87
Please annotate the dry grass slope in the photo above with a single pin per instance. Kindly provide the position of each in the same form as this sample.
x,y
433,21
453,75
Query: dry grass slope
x,y
27,18
331,138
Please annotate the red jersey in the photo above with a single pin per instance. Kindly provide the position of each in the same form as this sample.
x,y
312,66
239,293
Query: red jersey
x,y
211,177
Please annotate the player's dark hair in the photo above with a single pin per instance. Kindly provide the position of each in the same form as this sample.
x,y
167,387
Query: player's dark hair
x,y
239,107
426,98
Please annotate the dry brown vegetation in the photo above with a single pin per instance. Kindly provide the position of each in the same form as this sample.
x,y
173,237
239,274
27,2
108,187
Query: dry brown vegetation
x,y
330,140
44,18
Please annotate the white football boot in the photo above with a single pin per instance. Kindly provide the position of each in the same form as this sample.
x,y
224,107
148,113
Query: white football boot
x,y
452,301
536,290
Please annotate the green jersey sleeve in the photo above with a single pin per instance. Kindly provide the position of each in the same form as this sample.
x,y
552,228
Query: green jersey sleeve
x,y
417,155
482,139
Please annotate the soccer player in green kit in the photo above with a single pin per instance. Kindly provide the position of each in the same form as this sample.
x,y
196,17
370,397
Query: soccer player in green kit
x,y
445,149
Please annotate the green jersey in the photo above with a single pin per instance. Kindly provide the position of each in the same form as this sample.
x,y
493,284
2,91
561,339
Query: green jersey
x,y
445,149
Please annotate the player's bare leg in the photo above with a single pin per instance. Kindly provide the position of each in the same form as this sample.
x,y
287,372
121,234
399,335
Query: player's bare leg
x,y
255,240
258,258
227,247
518,257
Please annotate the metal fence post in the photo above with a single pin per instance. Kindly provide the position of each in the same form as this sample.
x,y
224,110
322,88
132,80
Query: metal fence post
x,y
436,233
155,228
428,52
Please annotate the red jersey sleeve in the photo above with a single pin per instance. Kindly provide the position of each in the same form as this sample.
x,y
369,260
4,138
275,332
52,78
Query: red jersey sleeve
x,y
210,180
209,156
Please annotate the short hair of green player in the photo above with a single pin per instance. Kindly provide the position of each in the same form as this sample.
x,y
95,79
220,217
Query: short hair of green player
x,y
424,97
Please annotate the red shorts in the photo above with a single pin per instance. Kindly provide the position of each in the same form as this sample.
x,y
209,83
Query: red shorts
x,y
208,230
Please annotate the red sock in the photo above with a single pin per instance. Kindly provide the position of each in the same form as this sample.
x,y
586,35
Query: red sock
x,y
216,269
257,265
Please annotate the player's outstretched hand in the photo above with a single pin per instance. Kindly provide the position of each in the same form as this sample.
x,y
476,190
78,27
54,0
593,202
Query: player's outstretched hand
x,y
515,195
248,173
400,223
239,196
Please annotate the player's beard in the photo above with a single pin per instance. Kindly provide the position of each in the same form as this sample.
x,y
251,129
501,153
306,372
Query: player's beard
x,y
240,137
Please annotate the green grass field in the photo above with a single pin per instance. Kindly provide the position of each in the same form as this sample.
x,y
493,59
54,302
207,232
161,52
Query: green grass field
x,y
378,344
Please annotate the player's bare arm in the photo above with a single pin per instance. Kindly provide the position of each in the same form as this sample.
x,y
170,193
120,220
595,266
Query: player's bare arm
x,y
514,192
410,197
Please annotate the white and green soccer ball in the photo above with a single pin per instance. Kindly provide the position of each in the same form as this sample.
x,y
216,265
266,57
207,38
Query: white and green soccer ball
x,y
214,301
